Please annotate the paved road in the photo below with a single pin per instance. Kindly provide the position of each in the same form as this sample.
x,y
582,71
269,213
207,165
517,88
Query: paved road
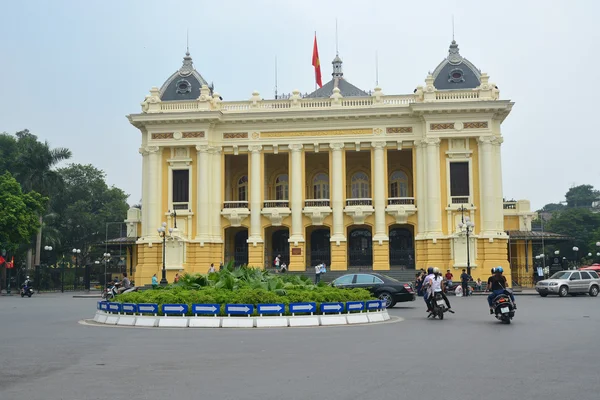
x,y
549,352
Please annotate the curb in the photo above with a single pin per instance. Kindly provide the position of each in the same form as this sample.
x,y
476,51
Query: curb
x,y
130,320
87,296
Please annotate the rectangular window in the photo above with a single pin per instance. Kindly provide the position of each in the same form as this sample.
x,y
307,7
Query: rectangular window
x,y
181,186
459,179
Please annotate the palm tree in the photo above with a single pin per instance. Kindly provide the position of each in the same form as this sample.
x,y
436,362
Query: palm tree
x,y
35,171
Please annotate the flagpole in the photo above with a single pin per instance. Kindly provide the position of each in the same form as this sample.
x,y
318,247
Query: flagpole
x,y
315,69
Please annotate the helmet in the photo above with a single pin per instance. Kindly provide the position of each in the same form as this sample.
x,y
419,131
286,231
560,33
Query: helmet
x,y
430,270
499,270
28,277
436,270
493,270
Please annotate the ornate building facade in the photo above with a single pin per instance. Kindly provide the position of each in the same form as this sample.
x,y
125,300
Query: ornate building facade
x,y
341,176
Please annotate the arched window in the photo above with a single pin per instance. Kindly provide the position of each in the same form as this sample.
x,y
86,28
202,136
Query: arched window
x,y
281,187
398,184
321,186
242,189
360,186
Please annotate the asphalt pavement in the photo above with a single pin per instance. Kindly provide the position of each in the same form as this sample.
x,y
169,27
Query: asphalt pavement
x,y
549,352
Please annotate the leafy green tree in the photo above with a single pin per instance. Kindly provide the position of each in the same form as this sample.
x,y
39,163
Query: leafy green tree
x,y
83,208
578,223
582,196
552,207
18,213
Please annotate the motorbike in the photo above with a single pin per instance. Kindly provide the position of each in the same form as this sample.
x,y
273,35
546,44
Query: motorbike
x,y
110,292
503,307
26,291
438,306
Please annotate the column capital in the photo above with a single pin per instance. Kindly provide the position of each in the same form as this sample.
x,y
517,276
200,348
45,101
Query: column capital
x,y
378,145
497,140
255,148
151,149
485,139
143,151
215,149
202,148
432,141
336,146
295,147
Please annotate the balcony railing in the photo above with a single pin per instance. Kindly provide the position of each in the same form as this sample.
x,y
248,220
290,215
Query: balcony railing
x,y
459,200
276,204
393,201
181,206
510,206
235,204
359,202
316,203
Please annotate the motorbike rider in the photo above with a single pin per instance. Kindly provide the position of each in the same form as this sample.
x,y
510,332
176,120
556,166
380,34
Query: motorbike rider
x,y
437,286
125,283
27,282
497,285
426,285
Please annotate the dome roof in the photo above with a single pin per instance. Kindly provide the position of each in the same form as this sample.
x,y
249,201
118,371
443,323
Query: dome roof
x,y
456,72
184,84
346,88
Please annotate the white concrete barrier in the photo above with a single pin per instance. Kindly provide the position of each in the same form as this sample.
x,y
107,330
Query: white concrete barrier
x,y
333,320
360,318
308,320
237,322
146,321
126,320
173,322
205,322
271,322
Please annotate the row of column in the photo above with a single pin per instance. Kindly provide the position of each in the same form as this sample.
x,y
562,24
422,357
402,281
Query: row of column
x,y
209,173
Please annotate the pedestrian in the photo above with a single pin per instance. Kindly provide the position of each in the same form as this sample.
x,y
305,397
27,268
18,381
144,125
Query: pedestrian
x,y
176,278
449,277
154,281
464,280
221,267
318,274
212,268
284,267
478,285
418,283
277,263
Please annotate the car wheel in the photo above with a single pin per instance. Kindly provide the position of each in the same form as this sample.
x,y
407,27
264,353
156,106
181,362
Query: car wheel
x,y
563,291
387,297
543,294
594,291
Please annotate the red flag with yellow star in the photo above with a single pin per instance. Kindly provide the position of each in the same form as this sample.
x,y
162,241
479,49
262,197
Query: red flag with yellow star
x,y
316,63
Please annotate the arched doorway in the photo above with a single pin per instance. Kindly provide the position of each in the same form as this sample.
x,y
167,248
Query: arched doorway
x,y
402,251
360,247
236,245
277,244
320,247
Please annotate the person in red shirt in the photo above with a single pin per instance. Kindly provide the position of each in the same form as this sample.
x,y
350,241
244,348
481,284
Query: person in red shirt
x,y
449,277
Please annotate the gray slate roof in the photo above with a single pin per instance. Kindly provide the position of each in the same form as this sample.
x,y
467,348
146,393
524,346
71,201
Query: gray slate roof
x,y
456,72
186,79
346,89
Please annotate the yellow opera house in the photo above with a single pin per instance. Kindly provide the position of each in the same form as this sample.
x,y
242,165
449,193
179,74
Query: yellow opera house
x,y
350,178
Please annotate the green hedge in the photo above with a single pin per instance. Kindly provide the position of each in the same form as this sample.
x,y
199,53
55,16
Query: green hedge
x,y
212,295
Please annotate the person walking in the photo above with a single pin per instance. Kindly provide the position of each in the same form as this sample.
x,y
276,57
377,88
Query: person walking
x,y
464,280
154,281
277,262
318,274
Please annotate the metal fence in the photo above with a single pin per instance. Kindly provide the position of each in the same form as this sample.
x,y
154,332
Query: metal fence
x,y
402,258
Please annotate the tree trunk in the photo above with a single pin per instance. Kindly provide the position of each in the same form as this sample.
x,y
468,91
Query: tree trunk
x,y
29,258
38,243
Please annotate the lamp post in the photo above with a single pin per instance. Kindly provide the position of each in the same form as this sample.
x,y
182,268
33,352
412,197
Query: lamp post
x,y
466,225
105,258
38,277
76,252
575,250
162,232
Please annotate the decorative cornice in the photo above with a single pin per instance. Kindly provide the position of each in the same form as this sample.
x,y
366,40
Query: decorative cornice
x,y
235,135
160,136
193,135
152,149
485,139
215,150
476,125
441,126
378,145
203,148
338,132
399,129
432,141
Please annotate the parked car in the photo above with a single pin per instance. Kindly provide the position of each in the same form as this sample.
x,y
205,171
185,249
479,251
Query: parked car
x,y
383,287
570,282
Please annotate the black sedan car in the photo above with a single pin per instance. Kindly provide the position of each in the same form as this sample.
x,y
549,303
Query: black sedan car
x,y
383,287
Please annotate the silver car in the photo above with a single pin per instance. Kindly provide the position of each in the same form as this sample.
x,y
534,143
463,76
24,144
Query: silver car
x,y
570,282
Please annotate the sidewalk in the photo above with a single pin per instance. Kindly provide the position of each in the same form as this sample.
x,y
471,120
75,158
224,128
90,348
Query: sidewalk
x,y
519,292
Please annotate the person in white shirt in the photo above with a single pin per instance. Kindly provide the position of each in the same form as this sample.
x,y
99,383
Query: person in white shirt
x,y
318,273
426,286
437,286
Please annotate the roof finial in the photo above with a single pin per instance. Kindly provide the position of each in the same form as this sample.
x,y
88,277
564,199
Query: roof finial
x,y
187,40
275,77
336,38
453,27
376,69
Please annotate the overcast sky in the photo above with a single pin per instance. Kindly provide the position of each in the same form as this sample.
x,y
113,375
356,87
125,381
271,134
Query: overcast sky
x,y
72,70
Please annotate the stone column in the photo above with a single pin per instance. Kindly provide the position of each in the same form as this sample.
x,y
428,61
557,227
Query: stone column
x,y
145,196
421,189
153,200
434,204
255,197
486,185
202,198
217,189
337,192
498,190
379,192
296,185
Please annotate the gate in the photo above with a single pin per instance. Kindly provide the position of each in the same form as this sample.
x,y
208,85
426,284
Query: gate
x,y
402,258
62,277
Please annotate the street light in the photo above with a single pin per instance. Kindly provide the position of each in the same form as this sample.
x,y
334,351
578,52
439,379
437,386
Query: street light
x,y
466,225
557,252
105,258
575,249
162,232
76,252
38,273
